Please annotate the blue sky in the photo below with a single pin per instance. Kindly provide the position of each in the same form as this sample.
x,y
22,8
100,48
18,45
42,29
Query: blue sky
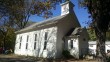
x,y
81,14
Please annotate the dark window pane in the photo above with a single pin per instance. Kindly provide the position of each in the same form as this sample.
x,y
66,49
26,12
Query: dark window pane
x,y
71,43
27,38
46,34
35,37
26,45
45,44
27,42
90,45
20,42
20,46
34,45
20,38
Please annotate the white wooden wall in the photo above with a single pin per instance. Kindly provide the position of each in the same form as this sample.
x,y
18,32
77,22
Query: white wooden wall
x,y
39,51
75,50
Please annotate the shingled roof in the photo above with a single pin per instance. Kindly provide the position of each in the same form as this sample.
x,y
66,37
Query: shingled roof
x,y
46,22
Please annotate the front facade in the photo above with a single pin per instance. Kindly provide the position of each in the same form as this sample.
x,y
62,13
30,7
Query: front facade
x,y
46,39
77,42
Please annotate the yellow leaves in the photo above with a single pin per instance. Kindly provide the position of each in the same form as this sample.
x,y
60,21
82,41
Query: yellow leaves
x,y
91,33
48,5
10,30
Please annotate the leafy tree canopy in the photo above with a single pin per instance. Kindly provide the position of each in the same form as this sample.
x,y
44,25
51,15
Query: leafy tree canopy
x,y
18,11
92,36
100,12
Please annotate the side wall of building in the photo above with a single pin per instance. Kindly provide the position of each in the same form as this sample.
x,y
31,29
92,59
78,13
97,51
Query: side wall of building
x,y
36,47
83,43
63,28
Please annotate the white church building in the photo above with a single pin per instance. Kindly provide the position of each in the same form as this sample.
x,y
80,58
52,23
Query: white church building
x,y
50,37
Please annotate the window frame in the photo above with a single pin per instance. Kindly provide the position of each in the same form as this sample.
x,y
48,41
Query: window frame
x,y
71,44
35,37
20,42
27,41
34,45
45,40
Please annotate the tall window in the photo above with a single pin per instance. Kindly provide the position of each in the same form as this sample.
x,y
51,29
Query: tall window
x,y
27,42
35,37
45,38
71,44
20,42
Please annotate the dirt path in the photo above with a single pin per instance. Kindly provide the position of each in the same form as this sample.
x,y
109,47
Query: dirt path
x,y
16,58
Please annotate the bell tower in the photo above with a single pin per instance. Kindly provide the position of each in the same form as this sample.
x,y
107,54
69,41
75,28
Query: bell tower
x,y
67,7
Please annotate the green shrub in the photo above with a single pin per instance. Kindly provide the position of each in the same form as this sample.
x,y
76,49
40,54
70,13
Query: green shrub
x,y
108,59
66,54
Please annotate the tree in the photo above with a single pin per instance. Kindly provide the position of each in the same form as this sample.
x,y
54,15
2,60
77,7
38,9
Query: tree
x,y
108,36
92,36
19,11
100,14
7,35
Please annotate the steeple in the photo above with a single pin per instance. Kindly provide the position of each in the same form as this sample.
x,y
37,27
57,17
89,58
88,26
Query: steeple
x,y
67,7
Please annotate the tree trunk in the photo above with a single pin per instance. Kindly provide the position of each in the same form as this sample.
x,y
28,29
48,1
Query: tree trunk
x,y
4,44
100,49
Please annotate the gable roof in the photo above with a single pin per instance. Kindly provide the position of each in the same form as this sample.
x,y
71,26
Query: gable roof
x,y
49,21
74,31
77,31
70,32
